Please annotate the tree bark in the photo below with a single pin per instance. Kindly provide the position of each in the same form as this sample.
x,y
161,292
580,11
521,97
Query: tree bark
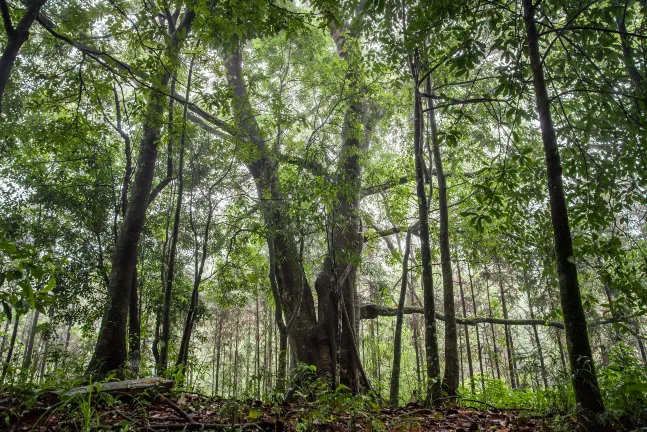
x,y
16,37
584,378
397,340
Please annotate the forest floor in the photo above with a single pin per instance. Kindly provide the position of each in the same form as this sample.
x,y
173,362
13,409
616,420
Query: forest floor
x,y
190,412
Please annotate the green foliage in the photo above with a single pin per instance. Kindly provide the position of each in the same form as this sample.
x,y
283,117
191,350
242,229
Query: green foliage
x,y
623,384
27,277
557,398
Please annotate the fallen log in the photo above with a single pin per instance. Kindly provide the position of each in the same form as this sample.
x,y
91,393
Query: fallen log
x,y
129,388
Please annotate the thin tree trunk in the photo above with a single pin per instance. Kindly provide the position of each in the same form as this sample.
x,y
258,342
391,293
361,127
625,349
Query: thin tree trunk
x,y
170,271
183,355
235,388
257,363
134,328
218,352
26,361
431,337
584,378
508,336
540,353
12,344
478,337
415,330
496,351
397,340
467,334
16,37
450,379
4,336
43,364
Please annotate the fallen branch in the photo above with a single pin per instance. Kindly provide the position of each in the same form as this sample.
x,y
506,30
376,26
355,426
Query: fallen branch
x,y
262,425
177,409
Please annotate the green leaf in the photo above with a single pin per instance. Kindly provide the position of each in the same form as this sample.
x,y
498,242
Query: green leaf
x,y
50,285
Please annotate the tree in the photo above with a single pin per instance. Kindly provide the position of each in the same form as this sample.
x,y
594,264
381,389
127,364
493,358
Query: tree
x,y
585,384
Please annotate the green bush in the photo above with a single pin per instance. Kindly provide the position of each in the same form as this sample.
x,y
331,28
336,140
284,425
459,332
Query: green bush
x,y
624,385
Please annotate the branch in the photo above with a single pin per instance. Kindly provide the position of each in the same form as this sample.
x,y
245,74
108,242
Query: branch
x,y
382,187
600,29
372,190
177,409
460,102
107,60
6,17
371,311
159,188
312,166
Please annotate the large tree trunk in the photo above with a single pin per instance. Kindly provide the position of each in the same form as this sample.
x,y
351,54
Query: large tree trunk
x,y
110,352
585,383
310,342
397,340
16,37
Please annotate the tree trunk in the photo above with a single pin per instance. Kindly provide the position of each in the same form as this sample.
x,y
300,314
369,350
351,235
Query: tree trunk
x,y
29,349
508,336
292,287
450,379
134,327
218,353
170,271
585,383
4,336
431,337
16,37
467,334
183,355
397,340
496,351
12,344
110,353
478,337
540,353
